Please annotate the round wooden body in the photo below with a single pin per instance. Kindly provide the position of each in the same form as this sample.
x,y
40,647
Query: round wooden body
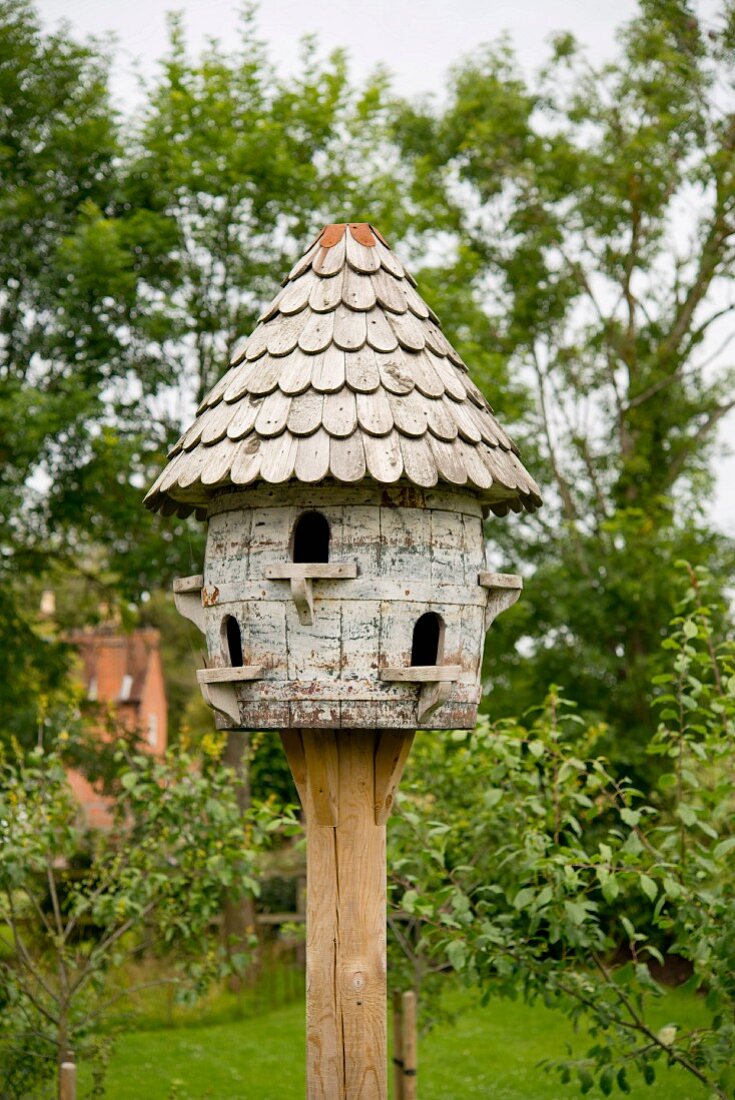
x,y
343,653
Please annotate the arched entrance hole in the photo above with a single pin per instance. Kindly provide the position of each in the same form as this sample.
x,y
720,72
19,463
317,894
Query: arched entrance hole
x,y
428,640
232,641
310,542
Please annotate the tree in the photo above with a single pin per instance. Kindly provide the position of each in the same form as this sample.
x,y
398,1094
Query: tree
x,y
595,218
57,144
138,251
553,879
78,905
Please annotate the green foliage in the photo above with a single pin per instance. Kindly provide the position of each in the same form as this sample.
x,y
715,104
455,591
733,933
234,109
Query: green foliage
x,y
137,251
550,871
570,194
78,905
545,218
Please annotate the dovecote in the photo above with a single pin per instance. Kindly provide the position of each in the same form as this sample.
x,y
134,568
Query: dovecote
x,y
344,464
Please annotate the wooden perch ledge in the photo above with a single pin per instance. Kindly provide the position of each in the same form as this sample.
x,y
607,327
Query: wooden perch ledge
x,y
189,584
324,571
229,675
499,580
301,574
423,674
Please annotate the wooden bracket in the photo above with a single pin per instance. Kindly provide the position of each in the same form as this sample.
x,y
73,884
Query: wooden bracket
x,y
222,697
188,599
503,591
302,594
391,755
218,687
293,746
436,681
431,697
301,574
313,757
322,774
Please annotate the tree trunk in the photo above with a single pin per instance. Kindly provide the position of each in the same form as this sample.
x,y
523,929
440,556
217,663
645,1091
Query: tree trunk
x,y
65,1058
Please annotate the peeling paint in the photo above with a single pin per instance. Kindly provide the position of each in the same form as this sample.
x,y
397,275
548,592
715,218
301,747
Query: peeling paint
x,y
413,551
210,596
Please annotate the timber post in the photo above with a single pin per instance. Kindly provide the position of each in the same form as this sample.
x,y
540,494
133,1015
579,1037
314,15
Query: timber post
x,y
345,927
67,1081
345,464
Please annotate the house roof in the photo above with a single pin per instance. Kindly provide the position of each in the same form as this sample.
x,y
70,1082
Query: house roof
x,y
347,376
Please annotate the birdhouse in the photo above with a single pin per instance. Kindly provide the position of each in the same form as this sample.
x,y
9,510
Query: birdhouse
x,y
345,464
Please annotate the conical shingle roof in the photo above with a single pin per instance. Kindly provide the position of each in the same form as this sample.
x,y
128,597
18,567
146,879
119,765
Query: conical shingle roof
x,y
347,376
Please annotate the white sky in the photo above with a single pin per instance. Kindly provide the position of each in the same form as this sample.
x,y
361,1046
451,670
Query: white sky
x,y
416,39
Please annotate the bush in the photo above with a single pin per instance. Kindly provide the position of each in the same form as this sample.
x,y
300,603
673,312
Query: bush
x,y
154,884
550,869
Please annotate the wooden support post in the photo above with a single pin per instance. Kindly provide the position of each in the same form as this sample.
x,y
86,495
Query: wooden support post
x,y
67,1081
346,780
345,921
397,1046
409,1046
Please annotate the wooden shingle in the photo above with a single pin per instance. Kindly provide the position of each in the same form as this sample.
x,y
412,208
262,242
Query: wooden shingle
x,y
346,376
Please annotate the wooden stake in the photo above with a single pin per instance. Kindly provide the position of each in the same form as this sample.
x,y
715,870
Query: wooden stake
x,y
397,1046
410,1053
67,1081
345,921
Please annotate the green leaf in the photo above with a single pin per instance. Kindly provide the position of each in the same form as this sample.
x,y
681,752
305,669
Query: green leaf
x,y
543,898
629,929
586,1080
686,814
622,1079
457,954
649,887
524,897
610,889
607,1079
408,901
575,911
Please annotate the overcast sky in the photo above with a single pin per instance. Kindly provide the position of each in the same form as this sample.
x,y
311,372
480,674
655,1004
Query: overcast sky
x,y
416,39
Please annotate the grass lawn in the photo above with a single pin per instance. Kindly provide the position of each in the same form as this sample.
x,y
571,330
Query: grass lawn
x,y
490,1053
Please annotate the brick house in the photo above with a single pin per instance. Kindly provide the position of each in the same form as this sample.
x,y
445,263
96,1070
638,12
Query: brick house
x,y
125,672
